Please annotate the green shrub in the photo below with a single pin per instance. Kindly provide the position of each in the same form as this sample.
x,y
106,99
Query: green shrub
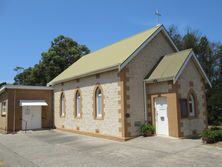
x,y
215,128
147,129
220,135
211,135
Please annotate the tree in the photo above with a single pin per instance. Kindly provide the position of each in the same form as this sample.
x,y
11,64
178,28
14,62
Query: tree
x,y
18,70
214,95
206,57
176,37
191,40
2,84
62,53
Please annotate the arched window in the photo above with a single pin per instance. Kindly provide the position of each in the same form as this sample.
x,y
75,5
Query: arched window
x,y
98,103
62,105
191,105
78,104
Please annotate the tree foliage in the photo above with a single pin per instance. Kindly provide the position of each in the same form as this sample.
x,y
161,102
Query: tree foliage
x,y
210,56
2,84
62,53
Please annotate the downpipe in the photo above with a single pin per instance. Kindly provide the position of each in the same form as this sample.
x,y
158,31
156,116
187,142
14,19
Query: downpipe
x,y
145,102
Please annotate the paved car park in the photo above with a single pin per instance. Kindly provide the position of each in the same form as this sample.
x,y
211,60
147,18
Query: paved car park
x,y
54,148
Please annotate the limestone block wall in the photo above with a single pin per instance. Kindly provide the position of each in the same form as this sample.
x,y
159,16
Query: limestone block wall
x,y
191,80
136,71
110,124
161,87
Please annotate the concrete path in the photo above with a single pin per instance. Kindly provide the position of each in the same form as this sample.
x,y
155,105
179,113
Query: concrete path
x,y
60,149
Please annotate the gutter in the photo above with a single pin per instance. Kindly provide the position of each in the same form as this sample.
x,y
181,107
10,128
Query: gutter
x,y
85,75
2,89
24,87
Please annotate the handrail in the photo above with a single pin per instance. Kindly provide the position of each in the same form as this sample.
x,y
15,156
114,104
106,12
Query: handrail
x,y
25,124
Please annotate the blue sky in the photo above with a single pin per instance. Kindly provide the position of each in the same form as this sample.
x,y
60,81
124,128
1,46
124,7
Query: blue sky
x,y
28,26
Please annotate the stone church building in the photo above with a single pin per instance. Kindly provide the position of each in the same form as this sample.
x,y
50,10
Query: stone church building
x,y
144,78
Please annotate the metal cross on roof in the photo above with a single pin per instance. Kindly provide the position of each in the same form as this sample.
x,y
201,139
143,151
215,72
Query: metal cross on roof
x,y
157,13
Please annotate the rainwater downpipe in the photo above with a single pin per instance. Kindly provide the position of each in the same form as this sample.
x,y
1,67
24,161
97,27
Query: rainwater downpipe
x,y
14,111
145,102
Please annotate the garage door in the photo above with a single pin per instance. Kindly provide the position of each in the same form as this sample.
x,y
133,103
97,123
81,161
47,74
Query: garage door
x,y
31,117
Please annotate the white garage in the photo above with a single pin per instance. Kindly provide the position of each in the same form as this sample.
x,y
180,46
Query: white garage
x,y
32,114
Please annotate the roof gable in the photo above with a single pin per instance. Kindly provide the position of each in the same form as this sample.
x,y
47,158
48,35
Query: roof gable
x,y
172,65
114,56
168,67
198,65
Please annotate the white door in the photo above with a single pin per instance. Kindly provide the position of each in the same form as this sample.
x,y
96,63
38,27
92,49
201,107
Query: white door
x,y
162,127
32,115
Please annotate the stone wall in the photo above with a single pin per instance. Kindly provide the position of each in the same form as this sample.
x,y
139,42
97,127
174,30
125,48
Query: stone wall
x,y
136,71
192,80
109,125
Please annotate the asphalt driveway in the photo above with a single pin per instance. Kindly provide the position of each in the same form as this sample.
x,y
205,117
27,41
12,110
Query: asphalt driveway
x,y
53,148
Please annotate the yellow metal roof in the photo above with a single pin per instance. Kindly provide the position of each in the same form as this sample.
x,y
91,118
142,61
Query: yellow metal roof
x,y
106,58
169,66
